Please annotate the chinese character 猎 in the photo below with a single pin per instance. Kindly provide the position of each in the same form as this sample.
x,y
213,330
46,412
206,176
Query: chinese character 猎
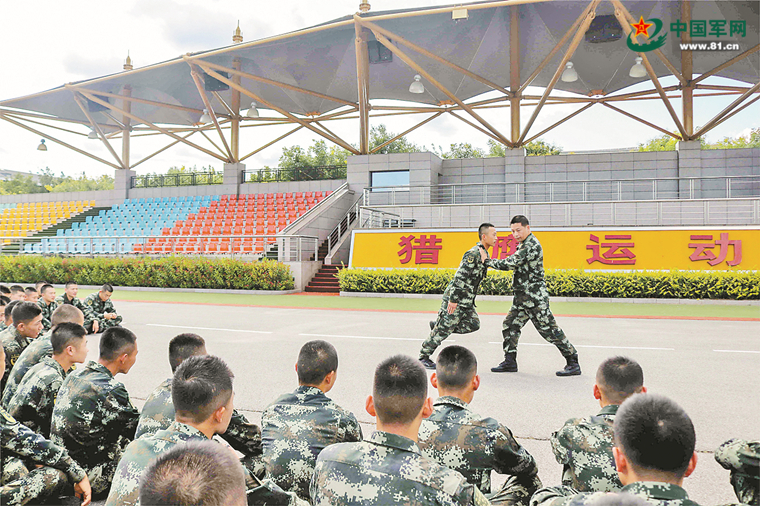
x,y
617,254
703,251
504,247
425,249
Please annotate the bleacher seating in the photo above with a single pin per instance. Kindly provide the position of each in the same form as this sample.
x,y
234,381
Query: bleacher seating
x,y
22,220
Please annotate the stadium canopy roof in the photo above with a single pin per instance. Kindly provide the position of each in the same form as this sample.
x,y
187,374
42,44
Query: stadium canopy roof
x,y
341,68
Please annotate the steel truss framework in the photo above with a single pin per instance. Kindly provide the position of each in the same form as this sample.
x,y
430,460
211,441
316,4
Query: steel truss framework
x,y
223,132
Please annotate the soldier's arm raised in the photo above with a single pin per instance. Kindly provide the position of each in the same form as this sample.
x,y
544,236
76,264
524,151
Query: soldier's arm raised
x,y
523,254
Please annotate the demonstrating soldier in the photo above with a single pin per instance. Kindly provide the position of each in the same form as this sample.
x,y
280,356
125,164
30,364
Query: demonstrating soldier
x,y
37,350
654,452
34,468
456,437
99,310
93,417
742,458
389,467
530,301
298,426
70,297
48,305
457,314
584,445
158,411
32,404
27,324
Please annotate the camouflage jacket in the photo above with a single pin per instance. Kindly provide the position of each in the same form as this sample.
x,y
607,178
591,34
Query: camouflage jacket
x,y
386,469
47,313
19,440
584,447
13,343
33,402
528,264
63,299
655,493
463,288
95,308
295,428
93,416
158,414
31,356
456,437
742,458
3,326
140,452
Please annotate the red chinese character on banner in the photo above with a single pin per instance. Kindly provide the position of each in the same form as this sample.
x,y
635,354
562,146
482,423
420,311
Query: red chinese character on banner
x,y
617,254
425,249
504,247
703,251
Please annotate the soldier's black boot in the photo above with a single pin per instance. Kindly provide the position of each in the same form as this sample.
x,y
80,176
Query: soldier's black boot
x,y
429,364
509,364
573,368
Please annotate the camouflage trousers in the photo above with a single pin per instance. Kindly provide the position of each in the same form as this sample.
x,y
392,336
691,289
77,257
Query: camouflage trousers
x,y
104,324
536,309
463,321
19,486
515,492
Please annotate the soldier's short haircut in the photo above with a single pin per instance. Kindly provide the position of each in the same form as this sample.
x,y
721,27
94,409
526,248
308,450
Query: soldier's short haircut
x,y
17,289
201,385
69,284
5,290
46,288
400,389
65,335
30,290
654,433
195,473
116,341
106,288
483,229
522,220
24,312
39,284
9,308
4,300
316,360
619,378
184,346
66,313
455,367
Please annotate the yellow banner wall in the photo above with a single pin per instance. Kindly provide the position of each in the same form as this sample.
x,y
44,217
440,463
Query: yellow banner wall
x,y
588,248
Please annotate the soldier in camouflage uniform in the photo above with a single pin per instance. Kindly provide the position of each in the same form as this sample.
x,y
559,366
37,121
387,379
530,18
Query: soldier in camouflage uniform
x,y
456,437
37,350
3,302
27,324
93,417
654,452
48,305
742,458
530,301
298,426
158,411
457,314
21,450
584,445
389,467
69,297
32,404
99,312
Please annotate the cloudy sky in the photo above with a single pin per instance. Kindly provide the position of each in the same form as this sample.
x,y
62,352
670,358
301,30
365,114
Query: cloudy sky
x,y
47,43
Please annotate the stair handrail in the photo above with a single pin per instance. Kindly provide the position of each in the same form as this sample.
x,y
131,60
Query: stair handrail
x,y
344,225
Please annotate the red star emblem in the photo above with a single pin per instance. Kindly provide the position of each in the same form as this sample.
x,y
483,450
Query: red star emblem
x,y
641,27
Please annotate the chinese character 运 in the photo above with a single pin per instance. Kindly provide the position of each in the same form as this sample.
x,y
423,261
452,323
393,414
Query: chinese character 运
x,y
703,251
617,254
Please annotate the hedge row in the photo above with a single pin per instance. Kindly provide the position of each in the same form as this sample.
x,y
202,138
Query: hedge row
x,y
169,272
567,283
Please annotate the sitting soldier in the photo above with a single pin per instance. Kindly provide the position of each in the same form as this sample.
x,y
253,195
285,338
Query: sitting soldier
x,y
38,349
584,445
17,293
4,301
8,317
47,304
99,311
742,458
31,294
27,324
158,411
654,452
389,468
34,468
70,297
32,404
297,426
93,417
456,437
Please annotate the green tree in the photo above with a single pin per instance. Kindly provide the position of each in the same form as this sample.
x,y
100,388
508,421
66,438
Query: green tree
x,y
496,149
460,150
83,184
379,135
666,143
750,141
541,148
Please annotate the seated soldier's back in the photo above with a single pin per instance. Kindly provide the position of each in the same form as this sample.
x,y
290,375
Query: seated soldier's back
x,y
157,412
31,356
32,404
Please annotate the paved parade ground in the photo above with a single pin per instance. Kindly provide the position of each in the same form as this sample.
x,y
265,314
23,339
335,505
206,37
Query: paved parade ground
x,y
709,366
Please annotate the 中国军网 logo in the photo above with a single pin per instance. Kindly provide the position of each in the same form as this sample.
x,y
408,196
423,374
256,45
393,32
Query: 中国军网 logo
x,y
643,28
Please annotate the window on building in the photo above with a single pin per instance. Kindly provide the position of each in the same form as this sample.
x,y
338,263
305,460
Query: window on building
x,y
391,178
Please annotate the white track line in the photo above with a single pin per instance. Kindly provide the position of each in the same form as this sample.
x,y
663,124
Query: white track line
x,y
737,351
595,346
372,337
209,328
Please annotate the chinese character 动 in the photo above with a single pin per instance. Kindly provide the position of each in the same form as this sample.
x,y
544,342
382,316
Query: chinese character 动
x,y
703,251
617,254
504,247
425,249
